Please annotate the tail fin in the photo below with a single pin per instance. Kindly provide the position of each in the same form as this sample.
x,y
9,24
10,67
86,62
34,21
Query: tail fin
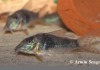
x,y
91,42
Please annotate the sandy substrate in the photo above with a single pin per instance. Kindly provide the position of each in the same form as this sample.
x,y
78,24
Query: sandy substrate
x,y
8,42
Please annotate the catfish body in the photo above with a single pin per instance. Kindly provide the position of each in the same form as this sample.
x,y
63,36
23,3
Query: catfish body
x,y
44,42
40,43
20,20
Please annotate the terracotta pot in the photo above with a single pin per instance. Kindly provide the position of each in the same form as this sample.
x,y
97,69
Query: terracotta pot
x,y
81,16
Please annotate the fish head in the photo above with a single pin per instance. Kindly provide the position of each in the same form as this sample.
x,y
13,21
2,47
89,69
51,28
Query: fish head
x,y
28,46
12,23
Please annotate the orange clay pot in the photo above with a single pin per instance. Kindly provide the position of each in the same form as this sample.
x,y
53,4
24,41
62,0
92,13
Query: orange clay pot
x,y
81,16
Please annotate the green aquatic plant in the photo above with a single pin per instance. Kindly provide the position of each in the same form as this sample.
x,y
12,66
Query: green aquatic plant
x,y
55,1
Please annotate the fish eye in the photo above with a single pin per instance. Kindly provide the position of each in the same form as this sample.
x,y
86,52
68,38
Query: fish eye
x,y
29,42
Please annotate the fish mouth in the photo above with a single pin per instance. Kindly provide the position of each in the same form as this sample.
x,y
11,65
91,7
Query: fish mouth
x,y
24,51
9,30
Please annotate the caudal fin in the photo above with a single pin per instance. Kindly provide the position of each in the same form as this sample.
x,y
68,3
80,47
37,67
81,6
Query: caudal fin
x,y
91,42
